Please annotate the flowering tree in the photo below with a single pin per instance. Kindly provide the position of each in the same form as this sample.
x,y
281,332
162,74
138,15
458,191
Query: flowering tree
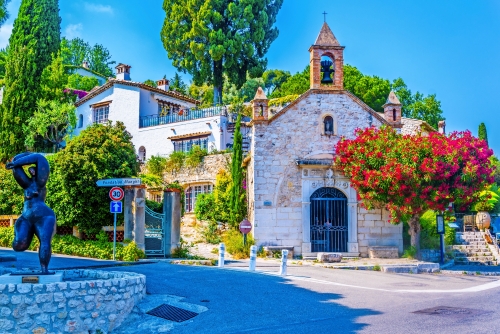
x,y
409,175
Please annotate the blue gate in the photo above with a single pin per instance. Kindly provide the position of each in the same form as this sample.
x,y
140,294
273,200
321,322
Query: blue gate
x,y
329,221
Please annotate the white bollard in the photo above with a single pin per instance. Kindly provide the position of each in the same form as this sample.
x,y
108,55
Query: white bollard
x,y
222,250
253,257
284,256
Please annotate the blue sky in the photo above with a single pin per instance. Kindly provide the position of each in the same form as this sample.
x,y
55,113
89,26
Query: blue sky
x,y
449,48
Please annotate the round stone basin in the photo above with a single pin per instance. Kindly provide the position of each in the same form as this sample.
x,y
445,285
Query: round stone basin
x,y
87,301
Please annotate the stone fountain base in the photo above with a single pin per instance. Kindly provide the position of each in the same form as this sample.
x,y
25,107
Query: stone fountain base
x,y
85,301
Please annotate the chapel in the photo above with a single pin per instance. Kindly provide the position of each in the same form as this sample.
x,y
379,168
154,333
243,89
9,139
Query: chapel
x,y
296,196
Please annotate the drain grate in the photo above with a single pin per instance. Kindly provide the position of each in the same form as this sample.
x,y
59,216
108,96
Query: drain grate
x,y
449,311
172,313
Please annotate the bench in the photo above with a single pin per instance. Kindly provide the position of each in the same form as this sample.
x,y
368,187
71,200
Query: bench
x,y
272,250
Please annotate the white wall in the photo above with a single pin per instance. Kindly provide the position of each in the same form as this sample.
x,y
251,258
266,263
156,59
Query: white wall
x,y
86,73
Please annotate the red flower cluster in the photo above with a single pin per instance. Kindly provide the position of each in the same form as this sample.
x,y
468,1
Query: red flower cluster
x,y
412,174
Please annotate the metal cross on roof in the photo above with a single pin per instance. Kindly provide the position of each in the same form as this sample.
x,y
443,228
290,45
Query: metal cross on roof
x,y
324,14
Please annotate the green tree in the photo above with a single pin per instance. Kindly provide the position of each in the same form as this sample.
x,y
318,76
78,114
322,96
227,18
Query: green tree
x,y
177,84
150,82
80,82
203,93
208,38
297,84
237,199
4,15
372,90
54,80
3,59
75,51
99,152
11,194
482,134
273,79
54,121
35,38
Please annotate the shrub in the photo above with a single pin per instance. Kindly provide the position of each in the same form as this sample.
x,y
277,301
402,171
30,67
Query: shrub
x,y
233,239
70,245
175,161
11,194
99,152
195,156
410,252
429,238
155,206
156,165
211,233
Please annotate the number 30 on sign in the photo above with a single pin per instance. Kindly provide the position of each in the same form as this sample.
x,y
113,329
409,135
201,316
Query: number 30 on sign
x,y
116,194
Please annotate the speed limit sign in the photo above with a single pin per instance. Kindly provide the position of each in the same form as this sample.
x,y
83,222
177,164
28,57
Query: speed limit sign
x,y
116,194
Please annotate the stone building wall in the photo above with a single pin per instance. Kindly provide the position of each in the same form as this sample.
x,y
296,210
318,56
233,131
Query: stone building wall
x,y
296,132
374,229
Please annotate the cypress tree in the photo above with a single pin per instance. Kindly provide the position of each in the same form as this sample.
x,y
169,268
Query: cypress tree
x,y
36,36
482,134
237,197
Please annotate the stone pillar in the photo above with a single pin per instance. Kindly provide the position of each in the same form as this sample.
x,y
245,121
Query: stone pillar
x,y
172,224
128,216
306,217
139,216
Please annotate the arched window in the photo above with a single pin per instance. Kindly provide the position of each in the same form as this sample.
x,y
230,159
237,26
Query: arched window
x,y
80,121
394,115
142,153
328,125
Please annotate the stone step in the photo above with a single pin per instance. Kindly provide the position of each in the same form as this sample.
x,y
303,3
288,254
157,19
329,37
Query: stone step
x,y
475,263
470,248
474,243
471,238
462,254
475,258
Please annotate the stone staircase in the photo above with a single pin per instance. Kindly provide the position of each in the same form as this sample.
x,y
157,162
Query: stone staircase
x,y
472,249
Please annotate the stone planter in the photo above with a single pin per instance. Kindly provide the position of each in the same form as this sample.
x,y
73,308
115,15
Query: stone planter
x,y
483,220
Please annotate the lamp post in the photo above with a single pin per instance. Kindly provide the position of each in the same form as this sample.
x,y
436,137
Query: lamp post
x,y
440,230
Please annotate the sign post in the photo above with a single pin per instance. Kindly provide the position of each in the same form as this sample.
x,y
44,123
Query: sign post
x,y
245,228
116,194
440,231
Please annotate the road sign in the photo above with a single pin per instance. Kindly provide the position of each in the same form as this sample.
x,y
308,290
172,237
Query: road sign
x,y
118,182
116,194
115,207
245,226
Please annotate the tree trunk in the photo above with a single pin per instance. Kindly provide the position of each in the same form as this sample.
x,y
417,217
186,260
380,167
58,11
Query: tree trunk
x,y
218,82
414,232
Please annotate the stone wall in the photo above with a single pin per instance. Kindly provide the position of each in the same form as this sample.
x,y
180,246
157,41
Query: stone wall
x,y
374,229
204,173
88,301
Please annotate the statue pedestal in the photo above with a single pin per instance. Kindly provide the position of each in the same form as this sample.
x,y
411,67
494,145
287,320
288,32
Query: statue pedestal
x,y
35,278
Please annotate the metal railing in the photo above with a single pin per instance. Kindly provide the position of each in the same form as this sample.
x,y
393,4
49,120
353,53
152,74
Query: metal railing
x,y
182,115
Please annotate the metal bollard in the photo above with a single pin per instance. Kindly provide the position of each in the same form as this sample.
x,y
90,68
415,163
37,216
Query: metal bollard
x,y
253,257
284,256
222,249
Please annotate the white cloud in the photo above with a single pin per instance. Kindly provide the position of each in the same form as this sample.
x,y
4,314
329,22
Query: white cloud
x,y
98,8
73,30
5,32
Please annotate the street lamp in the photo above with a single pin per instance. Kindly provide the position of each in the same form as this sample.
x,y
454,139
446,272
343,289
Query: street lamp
x,y
440,230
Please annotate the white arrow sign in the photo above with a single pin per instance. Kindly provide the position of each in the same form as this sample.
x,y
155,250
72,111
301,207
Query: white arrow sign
x,y
115,207
118,182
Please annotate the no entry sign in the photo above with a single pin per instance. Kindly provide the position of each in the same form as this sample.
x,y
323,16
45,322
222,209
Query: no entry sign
x,y
116,194
245,226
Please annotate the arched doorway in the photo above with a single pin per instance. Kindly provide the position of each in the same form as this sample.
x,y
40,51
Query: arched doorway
x,y
329,221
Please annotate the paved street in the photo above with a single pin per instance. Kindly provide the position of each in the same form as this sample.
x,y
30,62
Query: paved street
x,y
309,300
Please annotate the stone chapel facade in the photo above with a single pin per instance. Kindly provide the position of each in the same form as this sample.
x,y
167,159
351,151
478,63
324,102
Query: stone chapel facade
x,y
296,196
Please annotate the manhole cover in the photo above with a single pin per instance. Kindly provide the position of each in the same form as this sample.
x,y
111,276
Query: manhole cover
x,y
450,311
172,313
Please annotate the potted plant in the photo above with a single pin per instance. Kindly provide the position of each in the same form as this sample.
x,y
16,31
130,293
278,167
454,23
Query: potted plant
x,y
488,200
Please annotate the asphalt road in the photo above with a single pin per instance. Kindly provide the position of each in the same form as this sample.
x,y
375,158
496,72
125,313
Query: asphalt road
x,y
311,300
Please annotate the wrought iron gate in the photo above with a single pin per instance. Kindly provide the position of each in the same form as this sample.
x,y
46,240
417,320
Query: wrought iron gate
x,y
328,221
154,233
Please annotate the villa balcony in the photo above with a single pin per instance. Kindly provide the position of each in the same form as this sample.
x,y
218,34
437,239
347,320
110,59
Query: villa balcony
x,y
182,115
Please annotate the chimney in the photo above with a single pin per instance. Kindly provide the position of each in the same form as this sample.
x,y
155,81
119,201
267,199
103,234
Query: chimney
x,y
162,84
441,127
123,72
85,64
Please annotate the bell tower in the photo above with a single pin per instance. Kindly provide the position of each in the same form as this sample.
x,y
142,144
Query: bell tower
x,y
392,111
327,61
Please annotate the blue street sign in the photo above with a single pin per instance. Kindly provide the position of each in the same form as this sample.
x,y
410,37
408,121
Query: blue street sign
x,y
115,207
